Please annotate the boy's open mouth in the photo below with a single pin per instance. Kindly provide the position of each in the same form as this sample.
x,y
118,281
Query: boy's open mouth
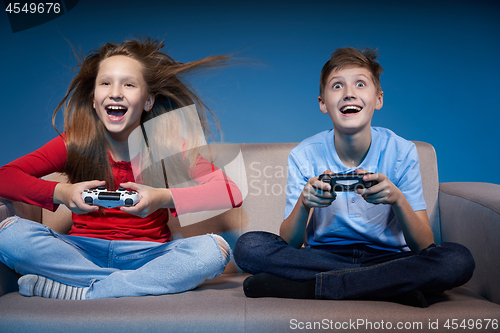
x,y
350,109
116,111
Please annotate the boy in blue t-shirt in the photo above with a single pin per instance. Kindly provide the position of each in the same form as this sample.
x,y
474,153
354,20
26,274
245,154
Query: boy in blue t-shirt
x,y
370,243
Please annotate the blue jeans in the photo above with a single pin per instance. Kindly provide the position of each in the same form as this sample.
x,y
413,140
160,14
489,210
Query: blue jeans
x,y
110,268
356,271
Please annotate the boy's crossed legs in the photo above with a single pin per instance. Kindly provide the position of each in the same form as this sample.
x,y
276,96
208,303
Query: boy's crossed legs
x,y
314,273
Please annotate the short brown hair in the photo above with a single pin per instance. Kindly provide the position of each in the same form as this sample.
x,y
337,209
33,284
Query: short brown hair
x,y
351,57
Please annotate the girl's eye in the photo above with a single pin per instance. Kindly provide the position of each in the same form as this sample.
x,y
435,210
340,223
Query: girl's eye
x,y
129,85
360,84
337,86
105,84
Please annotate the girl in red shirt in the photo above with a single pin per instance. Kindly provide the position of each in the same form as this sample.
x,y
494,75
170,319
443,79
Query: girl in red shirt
x,y
122,251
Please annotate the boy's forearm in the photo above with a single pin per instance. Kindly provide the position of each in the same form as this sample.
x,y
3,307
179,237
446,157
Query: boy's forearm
x,y
415,225
294,226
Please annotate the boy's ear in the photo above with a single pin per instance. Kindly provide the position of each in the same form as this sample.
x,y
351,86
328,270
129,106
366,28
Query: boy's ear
x,y
322,105
380,101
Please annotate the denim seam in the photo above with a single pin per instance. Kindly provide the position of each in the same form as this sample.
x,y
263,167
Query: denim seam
x,y
134,257
361,268
110,254
319,287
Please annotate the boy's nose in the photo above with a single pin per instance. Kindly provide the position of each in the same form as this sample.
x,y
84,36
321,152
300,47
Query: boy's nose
x,y
349,94
348,97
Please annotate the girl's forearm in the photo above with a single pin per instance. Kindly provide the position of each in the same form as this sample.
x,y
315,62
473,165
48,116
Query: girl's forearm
x,y
166,197
60,193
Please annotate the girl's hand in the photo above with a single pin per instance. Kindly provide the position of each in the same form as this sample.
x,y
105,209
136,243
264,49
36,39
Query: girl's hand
x,y
70,195
317,193
151,200
385,192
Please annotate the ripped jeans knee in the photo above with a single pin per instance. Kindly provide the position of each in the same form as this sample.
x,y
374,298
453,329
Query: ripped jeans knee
x,y
8,221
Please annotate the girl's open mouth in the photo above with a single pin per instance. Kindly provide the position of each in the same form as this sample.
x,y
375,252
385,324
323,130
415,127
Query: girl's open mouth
x,y
116,112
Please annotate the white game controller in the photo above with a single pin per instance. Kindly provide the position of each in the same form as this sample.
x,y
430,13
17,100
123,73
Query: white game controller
x,y
99,196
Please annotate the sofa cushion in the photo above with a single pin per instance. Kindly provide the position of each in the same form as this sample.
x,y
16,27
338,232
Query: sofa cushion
x,y
220,306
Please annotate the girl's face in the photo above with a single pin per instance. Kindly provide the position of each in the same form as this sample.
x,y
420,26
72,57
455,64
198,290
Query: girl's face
x,y
121,95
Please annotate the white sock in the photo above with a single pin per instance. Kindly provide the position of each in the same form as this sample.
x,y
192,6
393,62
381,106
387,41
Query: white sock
x,y
35,285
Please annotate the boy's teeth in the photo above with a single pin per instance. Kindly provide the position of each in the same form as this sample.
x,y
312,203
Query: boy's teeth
x,y
350,109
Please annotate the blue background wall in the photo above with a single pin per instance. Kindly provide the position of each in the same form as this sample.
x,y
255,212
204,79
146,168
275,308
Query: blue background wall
x,y
441,78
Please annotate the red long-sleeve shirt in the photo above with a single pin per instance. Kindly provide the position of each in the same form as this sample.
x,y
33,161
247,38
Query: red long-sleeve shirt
x,y
20,181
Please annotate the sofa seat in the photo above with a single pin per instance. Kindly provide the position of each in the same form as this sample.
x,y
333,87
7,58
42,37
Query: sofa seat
x,y
220,306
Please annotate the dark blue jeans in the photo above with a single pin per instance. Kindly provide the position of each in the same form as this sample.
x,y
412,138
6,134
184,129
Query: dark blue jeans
x,y
356,271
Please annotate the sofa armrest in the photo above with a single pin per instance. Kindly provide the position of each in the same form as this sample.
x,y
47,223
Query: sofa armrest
x,y
470,215
11,208
8,279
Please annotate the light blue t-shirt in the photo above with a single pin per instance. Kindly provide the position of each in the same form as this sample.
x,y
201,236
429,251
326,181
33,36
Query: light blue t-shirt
x,y
350,219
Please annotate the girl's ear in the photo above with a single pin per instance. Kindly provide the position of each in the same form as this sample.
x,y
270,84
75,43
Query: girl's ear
x,y
149,103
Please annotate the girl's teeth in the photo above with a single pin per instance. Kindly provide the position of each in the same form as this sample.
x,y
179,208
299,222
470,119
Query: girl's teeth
x,y
116,110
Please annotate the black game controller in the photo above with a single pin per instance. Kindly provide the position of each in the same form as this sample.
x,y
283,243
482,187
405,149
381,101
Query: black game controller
x,y
347,182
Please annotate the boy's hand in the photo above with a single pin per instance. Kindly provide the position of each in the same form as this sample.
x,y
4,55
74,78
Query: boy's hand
x,y
152,199
70,195
415,224
317,193
385,192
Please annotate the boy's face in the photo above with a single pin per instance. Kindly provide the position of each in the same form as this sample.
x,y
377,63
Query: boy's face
x,y
350,98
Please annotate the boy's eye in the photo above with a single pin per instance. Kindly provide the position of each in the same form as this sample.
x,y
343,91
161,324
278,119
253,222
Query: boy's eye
x,y
360,84
337,86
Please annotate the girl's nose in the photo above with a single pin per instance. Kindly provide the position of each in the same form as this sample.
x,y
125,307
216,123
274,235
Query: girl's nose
x,y
115,93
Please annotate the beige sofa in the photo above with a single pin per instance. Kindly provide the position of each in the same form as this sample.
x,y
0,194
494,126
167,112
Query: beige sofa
x,y
467,213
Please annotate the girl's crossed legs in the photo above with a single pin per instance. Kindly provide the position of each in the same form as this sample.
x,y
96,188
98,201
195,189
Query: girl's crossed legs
x,y
105,268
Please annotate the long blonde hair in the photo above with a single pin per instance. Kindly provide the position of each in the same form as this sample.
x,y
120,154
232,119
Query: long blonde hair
x,y
86,137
